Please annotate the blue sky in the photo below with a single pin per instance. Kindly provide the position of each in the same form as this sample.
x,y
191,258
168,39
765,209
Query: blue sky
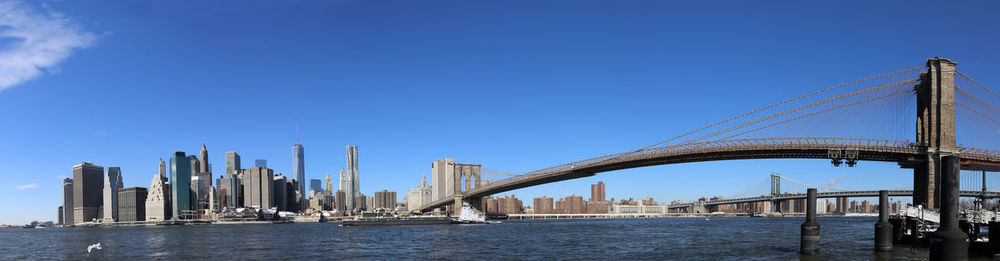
x,y
513,85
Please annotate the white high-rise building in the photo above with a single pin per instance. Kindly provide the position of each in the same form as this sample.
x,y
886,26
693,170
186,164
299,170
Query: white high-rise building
x,y
351,187
111,186
158,198
419,196
442,178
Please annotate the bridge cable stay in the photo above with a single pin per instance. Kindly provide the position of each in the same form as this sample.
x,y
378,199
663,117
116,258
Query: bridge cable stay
x,y
823,119
777,104
800,108
977,116
892,77
817,112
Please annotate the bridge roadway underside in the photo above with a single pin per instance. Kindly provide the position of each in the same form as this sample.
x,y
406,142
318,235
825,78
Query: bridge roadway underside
x,y
712,151
848,194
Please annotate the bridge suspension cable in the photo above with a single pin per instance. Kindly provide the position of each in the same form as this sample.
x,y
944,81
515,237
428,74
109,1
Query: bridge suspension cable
x,y
778,104
496,172
800,108
817,112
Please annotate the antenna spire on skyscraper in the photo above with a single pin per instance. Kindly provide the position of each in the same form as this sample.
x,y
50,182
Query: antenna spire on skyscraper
x,y
296,133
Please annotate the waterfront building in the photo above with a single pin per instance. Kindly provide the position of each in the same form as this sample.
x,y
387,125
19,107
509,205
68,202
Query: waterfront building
x,y
442,178
131,204
223,192
360,202
316,185
384,199
257,192
504,205
599,207
111,186
341,201
88,185
158,197
419,196
597,191
571,205
639,208
299,166
67,209
291,191
353,186
261,163
59,215
543,205
278,189
180,187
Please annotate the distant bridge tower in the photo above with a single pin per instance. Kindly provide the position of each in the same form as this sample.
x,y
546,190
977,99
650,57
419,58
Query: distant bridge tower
x,y
775,191
935,129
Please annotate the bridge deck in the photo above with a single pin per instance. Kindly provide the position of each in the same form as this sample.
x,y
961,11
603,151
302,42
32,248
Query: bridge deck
x,y
769,148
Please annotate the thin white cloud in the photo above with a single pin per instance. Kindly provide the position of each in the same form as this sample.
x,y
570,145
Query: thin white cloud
x,y
27,186
33,42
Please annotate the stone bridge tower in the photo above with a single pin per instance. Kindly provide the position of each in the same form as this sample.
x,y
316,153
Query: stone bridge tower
x,y
935,130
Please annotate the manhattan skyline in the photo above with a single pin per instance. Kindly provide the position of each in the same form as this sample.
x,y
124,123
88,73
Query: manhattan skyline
x,y
513,89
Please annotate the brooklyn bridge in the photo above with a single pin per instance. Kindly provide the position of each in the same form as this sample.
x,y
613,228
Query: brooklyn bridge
x,y
912,117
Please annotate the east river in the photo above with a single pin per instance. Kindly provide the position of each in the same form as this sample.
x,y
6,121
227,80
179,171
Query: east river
x,y
588,239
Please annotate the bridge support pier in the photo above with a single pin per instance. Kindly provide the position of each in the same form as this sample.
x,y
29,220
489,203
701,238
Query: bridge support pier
x,y
810,229
994,236
883,229
949,242
456,208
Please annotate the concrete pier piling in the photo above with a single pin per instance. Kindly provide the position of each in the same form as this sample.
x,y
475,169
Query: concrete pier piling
x,y
949,242
883,229
810,229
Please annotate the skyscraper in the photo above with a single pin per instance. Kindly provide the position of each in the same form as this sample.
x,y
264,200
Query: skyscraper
x,y
316,185
278,192
443,178
68,202
232,172
260,163
343,180
131,204
299,167
352,191
329,185
205,168
384,199
180,187
88,183
257,191
597,191
158,196
111,186
419,196
232,163
204,184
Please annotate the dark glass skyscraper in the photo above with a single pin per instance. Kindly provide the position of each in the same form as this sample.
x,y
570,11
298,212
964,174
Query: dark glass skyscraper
x,y
88,185
299,168
180,185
